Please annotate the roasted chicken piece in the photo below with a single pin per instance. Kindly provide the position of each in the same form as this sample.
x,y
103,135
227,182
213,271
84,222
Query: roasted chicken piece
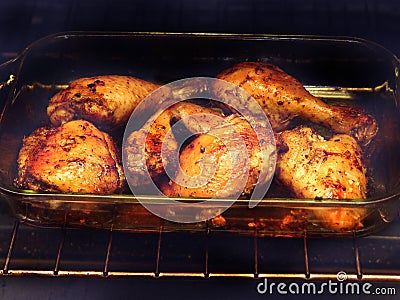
x,y
283,98
106,101
315,168
142,149
226,161
75,157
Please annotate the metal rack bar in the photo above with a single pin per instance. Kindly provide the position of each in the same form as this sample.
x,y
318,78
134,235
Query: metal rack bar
x,y
255,252
206,269
60,246
109,244
357,258
157,267
11,247
108,253
89,273
56,268
306,261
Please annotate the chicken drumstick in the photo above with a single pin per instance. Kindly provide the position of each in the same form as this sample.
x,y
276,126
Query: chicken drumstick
x,y
283,98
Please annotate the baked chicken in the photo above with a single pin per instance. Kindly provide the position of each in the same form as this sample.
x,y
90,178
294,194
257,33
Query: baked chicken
x,y
225,161
283,98
106,101
315,168
142,149
75,157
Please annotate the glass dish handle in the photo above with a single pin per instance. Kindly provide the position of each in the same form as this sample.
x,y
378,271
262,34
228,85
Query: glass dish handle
x,y
7,78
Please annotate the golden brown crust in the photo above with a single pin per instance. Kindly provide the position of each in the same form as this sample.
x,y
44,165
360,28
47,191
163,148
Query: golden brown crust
x,y
207,168
153,135
106,101
75,157
283,98
317,168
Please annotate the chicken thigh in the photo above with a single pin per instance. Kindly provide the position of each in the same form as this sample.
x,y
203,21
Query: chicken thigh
x,y
216,164
315,168
143,148
283,98
75,157
106,101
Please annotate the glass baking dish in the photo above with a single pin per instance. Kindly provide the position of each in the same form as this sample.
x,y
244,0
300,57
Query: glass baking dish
x,y
340,70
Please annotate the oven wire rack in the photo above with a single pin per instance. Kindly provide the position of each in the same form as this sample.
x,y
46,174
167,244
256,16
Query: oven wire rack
x,y
203,267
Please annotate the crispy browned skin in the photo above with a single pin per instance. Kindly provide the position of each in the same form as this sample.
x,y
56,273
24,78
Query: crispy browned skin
x,y
106,101
283,98
313,167
153,135
207,168
75,157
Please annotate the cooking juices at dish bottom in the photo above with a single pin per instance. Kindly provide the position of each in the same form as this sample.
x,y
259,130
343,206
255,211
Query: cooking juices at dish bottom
x,y
341,71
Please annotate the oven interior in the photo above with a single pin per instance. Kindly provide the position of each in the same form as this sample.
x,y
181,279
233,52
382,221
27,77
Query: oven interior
x,y
111,252
31,252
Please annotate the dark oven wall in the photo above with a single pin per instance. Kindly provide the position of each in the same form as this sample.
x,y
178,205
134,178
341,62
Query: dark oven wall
x,y
23,21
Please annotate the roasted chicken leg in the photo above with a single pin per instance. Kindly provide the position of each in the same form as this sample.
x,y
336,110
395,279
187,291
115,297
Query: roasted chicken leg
x,y
142,149
75,157
214,164
283,98
106,101
315,168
